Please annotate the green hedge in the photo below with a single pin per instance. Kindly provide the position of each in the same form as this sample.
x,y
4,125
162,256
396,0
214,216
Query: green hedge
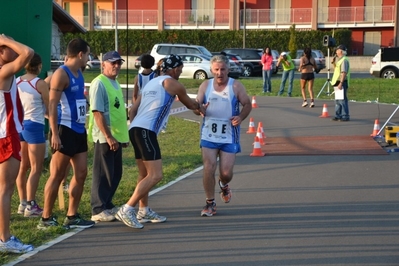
x,y
141,41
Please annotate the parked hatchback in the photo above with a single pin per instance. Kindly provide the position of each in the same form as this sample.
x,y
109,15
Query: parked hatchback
x,y
196,66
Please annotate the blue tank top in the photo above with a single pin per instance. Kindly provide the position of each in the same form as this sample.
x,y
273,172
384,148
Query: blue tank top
x,y
72,105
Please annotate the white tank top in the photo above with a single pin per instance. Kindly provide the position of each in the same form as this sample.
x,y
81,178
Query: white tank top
x,y
216,126
153,112
31,99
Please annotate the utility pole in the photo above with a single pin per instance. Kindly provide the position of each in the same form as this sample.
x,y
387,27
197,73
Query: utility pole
x,y
244,24
116,24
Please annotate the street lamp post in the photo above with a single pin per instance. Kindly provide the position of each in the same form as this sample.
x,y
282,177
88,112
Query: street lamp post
x,y
116,25
244,23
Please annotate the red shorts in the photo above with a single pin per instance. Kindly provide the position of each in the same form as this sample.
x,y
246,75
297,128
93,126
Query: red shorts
x,y
10,146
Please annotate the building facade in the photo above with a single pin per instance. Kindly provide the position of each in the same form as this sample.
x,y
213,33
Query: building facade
x,y
374,23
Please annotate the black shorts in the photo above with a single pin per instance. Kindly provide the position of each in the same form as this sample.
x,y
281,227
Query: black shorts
x,y
145,144
71,141
307,76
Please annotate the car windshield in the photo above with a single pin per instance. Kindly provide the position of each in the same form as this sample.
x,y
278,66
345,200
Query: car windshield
x,y
205,51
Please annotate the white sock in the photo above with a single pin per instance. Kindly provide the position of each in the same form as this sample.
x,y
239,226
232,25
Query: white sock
x,y
221,184
128,208
144,209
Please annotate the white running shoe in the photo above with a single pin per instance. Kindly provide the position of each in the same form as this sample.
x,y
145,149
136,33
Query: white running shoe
x,y
128,218
103,216
14,245
150,217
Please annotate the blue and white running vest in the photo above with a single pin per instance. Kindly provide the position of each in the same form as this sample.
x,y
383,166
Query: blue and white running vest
x,y
72,105
216,126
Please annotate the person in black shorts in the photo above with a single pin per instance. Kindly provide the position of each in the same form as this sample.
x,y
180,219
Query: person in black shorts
x,y
307,67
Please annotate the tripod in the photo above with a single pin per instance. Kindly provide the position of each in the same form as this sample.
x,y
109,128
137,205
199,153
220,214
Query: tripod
x,y
383,126
327,83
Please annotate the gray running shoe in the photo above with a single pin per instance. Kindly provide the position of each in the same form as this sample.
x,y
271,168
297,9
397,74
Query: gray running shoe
x,y
14,245
209,209
43,225
128,218
104,216
77,222
21,208
150,217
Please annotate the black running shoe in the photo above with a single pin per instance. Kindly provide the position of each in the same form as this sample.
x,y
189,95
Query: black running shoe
x,y
78,222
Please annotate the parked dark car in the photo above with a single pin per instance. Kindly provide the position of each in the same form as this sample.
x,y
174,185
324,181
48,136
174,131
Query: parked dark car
x,y
237,69
137,62
93,62
250,59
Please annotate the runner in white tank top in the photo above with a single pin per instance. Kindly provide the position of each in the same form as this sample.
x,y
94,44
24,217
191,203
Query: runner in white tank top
x,y
220,132
147,117
31,99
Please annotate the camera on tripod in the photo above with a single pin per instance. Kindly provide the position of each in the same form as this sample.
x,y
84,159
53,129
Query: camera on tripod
x,y
328,41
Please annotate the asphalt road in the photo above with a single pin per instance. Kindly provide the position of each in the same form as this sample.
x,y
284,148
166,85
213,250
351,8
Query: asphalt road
x,y
285,210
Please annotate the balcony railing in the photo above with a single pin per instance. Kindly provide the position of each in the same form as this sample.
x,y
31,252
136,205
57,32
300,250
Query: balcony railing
x,y
365,16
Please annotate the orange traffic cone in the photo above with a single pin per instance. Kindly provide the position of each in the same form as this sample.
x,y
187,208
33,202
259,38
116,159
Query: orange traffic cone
x,y
260,137
257,151
254,104
251,128
260,125
176,98
325,112
376,128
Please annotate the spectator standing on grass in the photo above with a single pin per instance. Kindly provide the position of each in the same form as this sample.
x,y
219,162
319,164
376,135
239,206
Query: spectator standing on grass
x,y
267,65
33,92
288,73
340,79
147,62
220,131
13,57
108,131
147,117
307,67
67,117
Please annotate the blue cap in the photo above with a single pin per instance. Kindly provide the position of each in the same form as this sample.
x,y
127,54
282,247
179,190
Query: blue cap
x,y
112,56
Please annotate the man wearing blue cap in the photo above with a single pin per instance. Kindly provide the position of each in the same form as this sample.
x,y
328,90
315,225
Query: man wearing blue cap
x,y
108,132
147,117
340,80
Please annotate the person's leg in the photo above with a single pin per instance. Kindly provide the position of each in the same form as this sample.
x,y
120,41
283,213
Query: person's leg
x,y
58,165
269,81
36,158
338,109
226,165
303,92
154,175
21,178
9,171
79,166
284,77
101,178
209,158
264,79
116,177
290,81
311,93
141,175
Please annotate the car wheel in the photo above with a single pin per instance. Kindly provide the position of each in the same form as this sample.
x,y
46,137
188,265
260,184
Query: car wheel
x,y
88,67
247,71
200,75
389,73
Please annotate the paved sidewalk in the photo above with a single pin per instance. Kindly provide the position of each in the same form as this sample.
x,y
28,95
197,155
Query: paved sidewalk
x,y
285,210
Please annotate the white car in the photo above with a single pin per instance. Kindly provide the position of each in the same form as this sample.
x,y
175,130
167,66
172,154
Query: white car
x,y
385,63
196,66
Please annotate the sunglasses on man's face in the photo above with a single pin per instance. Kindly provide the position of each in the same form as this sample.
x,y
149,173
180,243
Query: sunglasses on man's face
x,y
119,62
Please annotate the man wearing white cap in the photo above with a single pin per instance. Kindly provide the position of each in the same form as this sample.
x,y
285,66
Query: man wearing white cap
x,y
288,72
